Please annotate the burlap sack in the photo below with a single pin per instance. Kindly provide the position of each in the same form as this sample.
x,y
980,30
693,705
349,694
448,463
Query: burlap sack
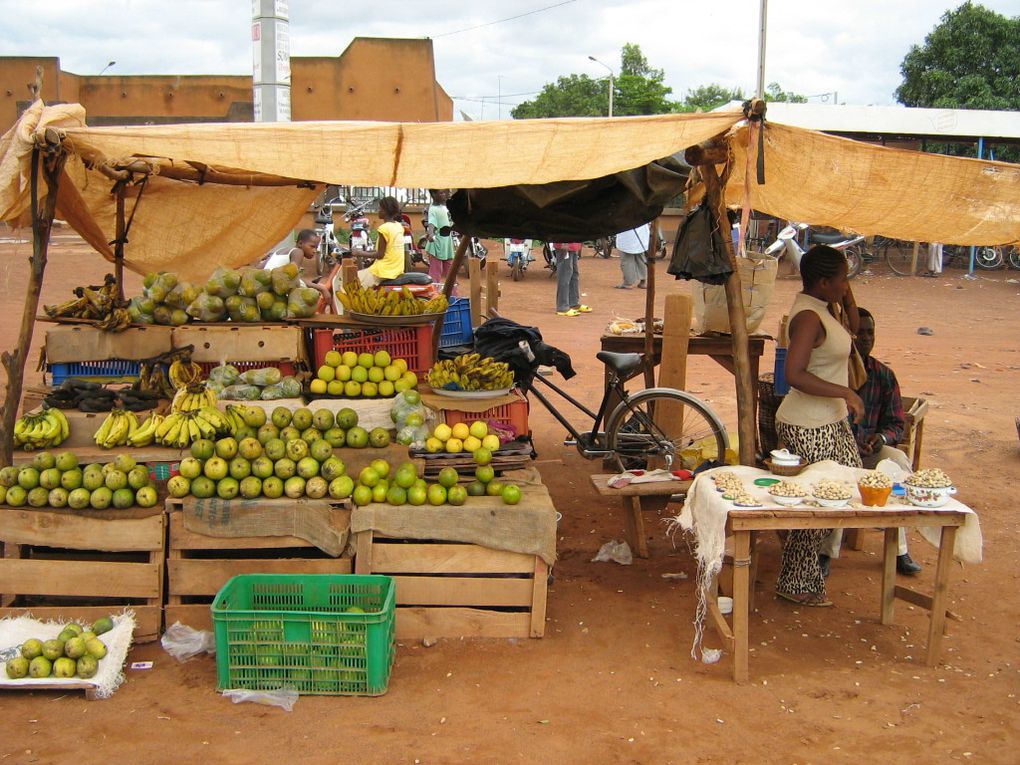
x,y
757,282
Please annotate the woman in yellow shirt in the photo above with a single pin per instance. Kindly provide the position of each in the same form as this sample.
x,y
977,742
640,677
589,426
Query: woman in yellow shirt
x,y
389,247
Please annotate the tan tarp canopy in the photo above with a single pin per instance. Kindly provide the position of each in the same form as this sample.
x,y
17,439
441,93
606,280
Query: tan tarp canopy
x,y
192,227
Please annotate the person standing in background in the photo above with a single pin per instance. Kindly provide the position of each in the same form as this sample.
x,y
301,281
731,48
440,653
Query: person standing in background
x,y
633,247
934,259
568,289
439,245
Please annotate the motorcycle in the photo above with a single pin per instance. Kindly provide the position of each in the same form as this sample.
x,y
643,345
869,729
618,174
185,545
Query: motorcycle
x,y
414,250
518,256
476,250
786,244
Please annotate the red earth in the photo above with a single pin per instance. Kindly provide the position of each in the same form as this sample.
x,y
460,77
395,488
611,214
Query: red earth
x,y
613,680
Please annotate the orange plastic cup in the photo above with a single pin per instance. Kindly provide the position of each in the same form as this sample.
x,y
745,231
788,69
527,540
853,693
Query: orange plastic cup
x,y
874,497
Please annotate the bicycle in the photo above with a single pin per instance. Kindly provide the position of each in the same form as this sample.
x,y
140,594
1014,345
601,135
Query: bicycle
x,y
648,429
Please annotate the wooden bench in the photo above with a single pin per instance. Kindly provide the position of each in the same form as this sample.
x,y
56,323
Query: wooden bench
x,y
632,497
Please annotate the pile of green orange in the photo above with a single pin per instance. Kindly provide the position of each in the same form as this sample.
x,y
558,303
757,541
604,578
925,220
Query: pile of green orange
x,y
378,482
75,652
58,481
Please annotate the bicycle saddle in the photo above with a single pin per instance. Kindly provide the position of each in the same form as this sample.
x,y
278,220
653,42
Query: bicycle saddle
x,y
828,238
411,277
624,364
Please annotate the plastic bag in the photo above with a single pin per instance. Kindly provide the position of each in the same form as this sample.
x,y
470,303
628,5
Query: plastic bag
x,y
207,307
302,302
223,283
617,552
277,311
182,295
413,436
160,285
284,279
262,377
254,281
241,392
242,309
224,374
183,642
273,392
138,313
163,314
291,387
285,698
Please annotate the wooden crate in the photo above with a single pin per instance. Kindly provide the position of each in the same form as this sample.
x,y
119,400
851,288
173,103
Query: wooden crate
x,y
84,564
199,565
453,590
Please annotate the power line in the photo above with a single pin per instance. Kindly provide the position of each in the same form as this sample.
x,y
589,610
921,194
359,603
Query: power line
x,y
509,18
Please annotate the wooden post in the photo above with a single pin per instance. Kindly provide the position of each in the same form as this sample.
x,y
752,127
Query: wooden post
x,y
705,156
491,288
451,279
118,244
653,243
676,332
474,272
52,160
913,258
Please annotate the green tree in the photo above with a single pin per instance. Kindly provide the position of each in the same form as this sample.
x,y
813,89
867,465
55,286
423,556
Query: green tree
x,y
971,60
705,98
775,93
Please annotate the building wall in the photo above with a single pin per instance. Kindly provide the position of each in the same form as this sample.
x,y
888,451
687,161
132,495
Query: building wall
x,y
374,79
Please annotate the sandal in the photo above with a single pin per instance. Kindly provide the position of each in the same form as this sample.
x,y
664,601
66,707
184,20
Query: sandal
x,y
568,312
582,308
808,599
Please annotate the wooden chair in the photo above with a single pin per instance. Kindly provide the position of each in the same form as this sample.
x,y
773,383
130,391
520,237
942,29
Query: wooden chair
x,y
914,410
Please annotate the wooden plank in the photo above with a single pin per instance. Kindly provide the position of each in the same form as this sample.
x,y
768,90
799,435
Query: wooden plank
x,y
600,482
446,559
55,529
922,600
419,623
363,558
539,595
741,614
87,454
492,266
673,365
69,578
634,524
205,576
889,549
462,591
195,615
148,619
475,293
937,624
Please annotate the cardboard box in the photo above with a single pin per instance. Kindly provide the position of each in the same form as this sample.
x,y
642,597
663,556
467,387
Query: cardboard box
x,y
69,344
216,343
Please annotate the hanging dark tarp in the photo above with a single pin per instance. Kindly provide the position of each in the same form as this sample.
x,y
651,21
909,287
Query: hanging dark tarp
x,y
570,211
699,252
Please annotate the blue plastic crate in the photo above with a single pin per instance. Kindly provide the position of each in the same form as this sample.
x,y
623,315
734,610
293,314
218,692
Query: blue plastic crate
x,y
96,371
457,323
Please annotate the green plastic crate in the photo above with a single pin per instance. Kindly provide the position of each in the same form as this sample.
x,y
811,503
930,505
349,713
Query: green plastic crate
x,y
294,630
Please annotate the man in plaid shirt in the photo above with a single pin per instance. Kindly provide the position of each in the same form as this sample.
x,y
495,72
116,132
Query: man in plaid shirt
x,y
877,433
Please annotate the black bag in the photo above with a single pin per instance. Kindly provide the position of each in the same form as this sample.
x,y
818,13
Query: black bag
x,y
699,251
501,338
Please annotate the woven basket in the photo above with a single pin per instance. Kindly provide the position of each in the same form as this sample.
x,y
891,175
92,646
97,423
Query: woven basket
x,y
784,470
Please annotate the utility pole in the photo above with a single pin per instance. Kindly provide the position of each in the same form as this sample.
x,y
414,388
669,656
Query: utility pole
x,y
270,37
611,75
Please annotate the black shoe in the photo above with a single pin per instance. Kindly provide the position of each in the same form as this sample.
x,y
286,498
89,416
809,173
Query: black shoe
x,y
905,565
823,564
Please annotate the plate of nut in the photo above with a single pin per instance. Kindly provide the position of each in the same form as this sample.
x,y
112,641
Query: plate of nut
x,y
929,488
788,493
829,493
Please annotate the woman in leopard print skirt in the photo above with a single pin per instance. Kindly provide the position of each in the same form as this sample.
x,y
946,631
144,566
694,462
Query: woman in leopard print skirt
x,y
812,420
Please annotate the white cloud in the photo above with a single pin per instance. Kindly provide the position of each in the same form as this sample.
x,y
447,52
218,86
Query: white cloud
x,y
850,47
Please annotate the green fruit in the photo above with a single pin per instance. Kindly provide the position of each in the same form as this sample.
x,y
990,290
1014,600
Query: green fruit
x,y
74,627
38,497
203,487
482,456
316,487
66,635
74,648
321,450
272,487
125,463
64,667
417,495
308,467
203,449
115,479
249,448
275,449
405,477
346,418
101,498
57,497
302,418
332,468
456,495
341,487
72,479
362,495
178,486
101,625
335,437
8,476
239,468
448,477
53,649
78,499
28,478
262,467
138,477
396,495
66,461
297,449
87,666
284,468
494,489
226,448
379,490
436,494
368,477
267,432
323,419
17,668
357,437
215,468
44,461
379,438
40,667
227,488
95,648
49,478
123,498
251,487
485,473
294,487
16,496
310,435
31,648
190,468
281,417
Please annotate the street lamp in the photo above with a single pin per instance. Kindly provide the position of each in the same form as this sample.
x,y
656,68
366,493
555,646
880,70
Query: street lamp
x,y
611,75
106,67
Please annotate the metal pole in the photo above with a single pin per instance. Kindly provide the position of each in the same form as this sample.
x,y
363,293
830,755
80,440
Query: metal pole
x,y
980,155
761,47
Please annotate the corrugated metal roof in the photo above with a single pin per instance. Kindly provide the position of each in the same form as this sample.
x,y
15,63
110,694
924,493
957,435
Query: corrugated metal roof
x,y
895,120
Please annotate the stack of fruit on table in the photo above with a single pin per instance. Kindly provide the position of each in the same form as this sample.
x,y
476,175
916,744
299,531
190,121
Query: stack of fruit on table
x,y
470,372
462,437
362,375
377,301
92,397
41,430
75,652
58,481
291,454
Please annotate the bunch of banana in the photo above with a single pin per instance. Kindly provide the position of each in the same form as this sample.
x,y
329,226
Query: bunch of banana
x,y
238,415
152,379
470,372
179,429
42,430
118,426
184,372
192,397
382,302
99,303
145,434
117,320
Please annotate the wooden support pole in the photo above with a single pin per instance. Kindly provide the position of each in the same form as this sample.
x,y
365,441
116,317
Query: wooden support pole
x,y
52,165
451,279
653,243
716,200
119,189
491,288
475,274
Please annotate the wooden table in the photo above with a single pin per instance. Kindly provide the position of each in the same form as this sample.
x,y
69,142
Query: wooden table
x,y
632,496
718,347
743,524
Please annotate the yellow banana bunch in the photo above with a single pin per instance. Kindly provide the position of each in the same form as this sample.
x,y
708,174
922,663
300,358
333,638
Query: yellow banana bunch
x,y
383,302
470,372
193,397
145,434
179,429
42,430
184,373
116,429
235,414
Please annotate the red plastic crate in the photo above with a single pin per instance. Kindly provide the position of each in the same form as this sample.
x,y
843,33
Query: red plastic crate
x,y
285,367
411,343
514,414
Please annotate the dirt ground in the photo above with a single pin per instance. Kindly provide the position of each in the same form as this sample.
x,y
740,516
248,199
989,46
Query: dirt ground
x,y
613,680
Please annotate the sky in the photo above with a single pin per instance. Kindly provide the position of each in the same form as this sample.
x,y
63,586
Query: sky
x,y
828,50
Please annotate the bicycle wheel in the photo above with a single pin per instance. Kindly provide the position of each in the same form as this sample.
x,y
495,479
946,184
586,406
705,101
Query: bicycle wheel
x,y
1014,258
900,256
660,427
517,271
854,261
988,258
